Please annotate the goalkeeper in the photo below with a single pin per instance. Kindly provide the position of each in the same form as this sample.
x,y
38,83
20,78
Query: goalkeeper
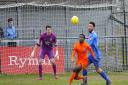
x,y
47,41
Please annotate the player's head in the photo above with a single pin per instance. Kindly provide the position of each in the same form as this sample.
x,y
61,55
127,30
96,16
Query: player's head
x,y
49,29
91,26
81,38
10,21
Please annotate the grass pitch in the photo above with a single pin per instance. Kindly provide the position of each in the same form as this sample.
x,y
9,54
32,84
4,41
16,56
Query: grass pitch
x,y
30,79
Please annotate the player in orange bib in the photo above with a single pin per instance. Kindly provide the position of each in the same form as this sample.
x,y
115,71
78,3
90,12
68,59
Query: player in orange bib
x,y
81,48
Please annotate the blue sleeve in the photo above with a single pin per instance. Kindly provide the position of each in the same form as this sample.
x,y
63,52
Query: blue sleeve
x,y
14,30
91,39
5,33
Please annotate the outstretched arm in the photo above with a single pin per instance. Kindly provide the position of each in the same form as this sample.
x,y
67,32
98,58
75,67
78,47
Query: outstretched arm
x,y
35,47
54,44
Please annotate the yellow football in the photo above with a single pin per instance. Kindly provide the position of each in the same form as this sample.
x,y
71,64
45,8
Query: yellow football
x,y
74,20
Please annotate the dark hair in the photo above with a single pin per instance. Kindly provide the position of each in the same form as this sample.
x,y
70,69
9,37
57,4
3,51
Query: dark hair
x,y
10,19
48,26
93,23
82,35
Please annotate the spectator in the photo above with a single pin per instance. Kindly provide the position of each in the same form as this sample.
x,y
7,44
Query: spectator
x,y
10,33
10,30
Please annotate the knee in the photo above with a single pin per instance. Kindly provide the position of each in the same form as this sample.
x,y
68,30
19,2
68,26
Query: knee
x,y
52,61
75,77
40,62
99,70
75,70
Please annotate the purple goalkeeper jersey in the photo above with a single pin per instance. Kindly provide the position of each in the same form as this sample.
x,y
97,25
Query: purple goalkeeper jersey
x,y
47,41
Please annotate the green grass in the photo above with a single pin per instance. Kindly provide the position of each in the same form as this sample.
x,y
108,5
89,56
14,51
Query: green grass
x,y
30,79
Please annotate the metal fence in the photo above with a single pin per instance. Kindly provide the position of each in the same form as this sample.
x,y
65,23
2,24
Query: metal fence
x,y
112,50
31,16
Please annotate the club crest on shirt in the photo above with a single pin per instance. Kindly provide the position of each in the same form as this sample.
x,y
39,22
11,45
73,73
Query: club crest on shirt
x,y
50,39
47,43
